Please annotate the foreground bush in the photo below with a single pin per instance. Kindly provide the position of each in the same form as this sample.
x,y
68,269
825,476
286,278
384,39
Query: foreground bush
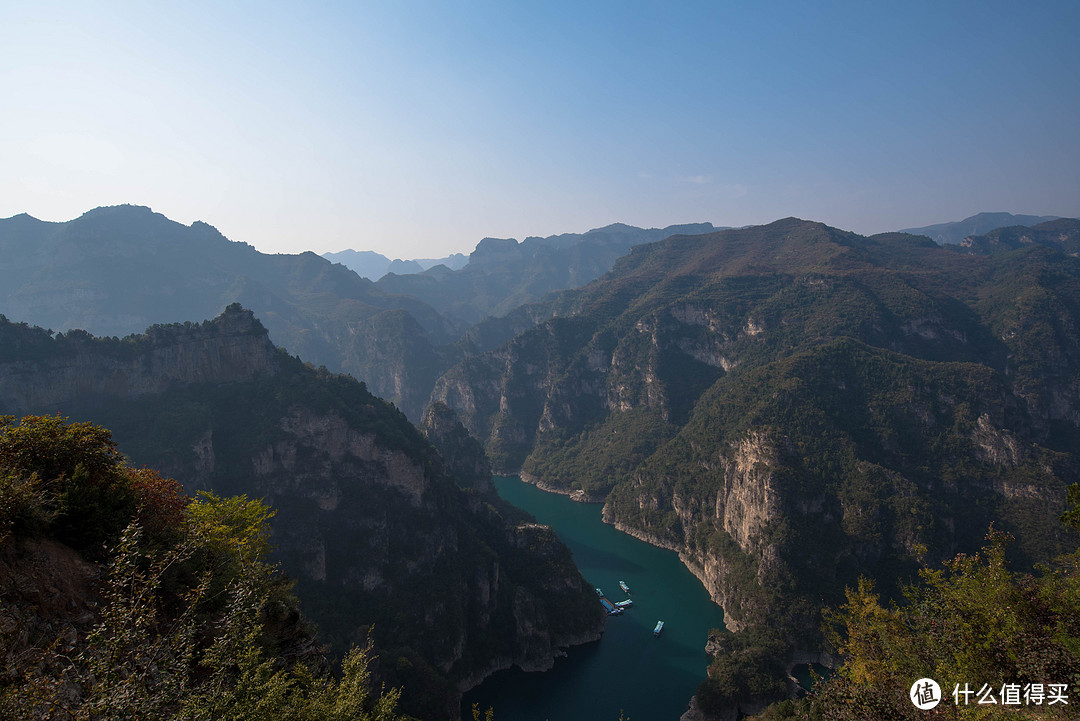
x,y
192,622
1000,644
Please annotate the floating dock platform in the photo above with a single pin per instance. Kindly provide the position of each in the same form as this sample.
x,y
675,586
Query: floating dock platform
x,y
612,609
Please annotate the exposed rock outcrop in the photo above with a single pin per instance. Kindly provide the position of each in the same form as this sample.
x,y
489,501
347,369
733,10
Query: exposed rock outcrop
x,y
463,454
232,347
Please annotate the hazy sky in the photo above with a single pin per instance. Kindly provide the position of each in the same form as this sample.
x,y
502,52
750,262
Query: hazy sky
x,y
417,128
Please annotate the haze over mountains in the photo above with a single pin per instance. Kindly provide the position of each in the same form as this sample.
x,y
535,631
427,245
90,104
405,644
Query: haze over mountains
x,y
789,406
118,270
503,274
371,265
956,231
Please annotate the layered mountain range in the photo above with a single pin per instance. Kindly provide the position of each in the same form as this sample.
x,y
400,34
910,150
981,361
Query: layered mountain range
x,y
117,270
503,274
383,541
791,406
371,265
980,224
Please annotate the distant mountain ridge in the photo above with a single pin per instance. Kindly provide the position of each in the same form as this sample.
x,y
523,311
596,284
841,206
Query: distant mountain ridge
x,y
503,274
371,265
117,270
954,232
1062,234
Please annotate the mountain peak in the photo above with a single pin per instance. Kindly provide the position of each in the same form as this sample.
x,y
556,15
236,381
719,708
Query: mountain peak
x,y
978,224
23,220
122,210
613,226
494,250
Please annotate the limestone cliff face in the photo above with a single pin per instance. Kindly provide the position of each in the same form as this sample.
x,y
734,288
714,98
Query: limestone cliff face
x,y
370,527
503,396
747,504
565,374
750,499
750,526
463,454
314,451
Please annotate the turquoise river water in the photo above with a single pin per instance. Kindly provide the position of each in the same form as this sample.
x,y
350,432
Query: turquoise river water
x,y
629,671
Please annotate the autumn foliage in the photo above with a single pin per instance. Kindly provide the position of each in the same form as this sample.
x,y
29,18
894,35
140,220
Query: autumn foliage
x,y
71,481
190,622
159,502
1000,644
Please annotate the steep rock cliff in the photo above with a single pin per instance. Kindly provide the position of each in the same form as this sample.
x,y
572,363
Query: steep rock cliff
x,y
230,348
381,539
464,456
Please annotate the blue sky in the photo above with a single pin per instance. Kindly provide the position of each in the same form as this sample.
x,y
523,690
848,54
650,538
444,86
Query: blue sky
x,y
417,128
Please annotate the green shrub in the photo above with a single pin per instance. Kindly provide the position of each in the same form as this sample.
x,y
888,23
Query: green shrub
x,y
25,506
70,477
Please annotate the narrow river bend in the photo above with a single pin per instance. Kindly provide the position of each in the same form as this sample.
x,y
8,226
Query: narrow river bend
x,y
629,671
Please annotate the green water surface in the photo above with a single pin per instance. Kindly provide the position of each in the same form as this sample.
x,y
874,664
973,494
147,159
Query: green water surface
x,y
628,671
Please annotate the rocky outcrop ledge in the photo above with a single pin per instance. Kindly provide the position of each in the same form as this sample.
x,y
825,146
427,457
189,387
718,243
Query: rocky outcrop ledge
x,y
574,494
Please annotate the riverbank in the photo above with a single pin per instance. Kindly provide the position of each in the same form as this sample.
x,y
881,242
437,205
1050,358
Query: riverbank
x,y
560,647
709,573
630,670
576,495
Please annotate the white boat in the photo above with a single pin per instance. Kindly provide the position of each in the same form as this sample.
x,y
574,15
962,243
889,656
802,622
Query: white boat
x,y
659,627
625,604
624,587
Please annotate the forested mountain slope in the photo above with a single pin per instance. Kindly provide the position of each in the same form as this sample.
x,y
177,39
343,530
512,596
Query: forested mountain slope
x,y
793,405
382,540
